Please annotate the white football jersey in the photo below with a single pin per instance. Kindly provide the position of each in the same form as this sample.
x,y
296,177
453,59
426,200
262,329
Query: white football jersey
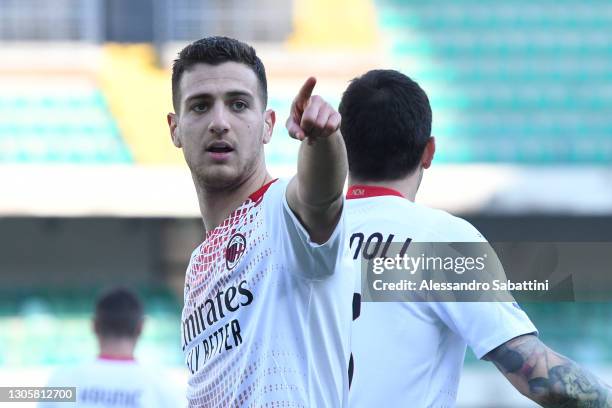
x,y
410,354
115,383
267,314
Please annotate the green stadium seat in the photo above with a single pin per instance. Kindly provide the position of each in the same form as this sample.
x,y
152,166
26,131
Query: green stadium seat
x,y
76,128
63,320
541,70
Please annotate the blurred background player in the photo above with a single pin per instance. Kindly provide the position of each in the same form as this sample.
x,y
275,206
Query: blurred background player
x,y
115,378
386,125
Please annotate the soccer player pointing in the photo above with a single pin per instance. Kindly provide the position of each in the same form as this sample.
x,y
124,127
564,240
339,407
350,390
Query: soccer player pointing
x,y
267,301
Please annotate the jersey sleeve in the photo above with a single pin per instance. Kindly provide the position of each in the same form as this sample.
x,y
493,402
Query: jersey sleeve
x,y
316,261
482,325
454,229
485,325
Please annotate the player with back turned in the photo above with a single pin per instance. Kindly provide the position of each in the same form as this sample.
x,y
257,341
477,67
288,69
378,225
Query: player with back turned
x,y
411,353
267,307
115,379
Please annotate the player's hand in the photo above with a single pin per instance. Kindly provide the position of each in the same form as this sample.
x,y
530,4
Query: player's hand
x,y
311,117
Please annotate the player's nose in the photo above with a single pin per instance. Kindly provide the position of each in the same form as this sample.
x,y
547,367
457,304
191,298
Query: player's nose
x,y
219,123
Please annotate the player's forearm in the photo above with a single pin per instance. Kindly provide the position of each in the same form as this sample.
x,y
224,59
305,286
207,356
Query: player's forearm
x,y
315,194
322,169
548,378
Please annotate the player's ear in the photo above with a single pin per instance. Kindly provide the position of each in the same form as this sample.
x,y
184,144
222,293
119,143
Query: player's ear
x,y
172,119
428,153
269,121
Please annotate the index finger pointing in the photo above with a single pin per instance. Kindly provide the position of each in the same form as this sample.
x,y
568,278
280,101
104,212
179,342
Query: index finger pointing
x,y
306,91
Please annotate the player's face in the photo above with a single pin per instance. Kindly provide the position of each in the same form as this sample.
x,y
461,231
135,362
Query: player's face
x,y
222,125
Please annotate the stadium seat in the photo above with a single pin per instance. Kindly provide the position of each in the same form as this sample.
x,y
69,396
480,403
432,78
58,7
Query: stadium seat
x,y
516,82
63,320
69,128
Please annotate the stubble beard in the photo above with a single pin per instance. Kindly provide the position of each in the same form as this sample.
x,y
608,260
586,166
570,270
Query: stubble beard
x,y
215,180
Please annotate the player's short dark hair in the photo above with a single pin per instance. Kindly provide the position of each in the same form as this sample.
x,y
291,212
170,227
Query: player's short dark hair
x,y
386,124
215,51
119,314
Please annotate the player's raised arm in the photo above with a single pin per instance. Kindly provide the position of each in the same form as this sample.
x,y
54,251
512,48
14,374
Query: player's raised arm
x,y
315,193
548,378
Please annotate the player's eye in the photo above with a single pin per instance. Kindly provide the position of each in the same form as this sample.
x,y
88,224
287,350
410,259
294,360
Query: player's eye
x,y
199,107
238,106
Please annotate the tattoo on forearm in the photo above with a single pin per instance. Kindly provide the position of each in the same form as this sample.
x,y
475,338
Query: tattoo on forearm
x,y
549,378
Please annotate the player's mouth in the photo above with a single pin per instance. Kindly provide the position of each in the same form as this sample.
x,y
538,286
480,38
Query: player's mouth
x,y
219,150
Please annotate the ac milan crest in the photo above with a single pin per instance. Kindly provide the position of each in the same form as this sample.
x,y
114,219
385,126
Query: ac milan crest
x,y
234,250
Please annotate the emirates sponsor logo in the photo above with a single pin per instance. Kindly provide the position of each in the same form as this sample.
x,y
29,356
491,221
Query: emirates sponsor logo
x,y
234,251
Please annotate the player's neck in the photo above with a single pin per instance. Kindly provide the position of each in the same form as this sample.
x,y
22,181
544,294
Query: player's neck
x,y
117,349
407,186
217,205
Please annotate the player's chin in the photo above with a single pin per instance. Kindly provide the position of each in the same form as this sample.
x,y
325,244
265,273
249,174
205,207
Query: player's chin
x,y
219,177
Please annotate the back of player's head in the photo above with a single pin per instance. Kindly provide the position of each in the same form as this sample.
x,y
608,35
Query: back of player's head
x,y
386,124
119,314
215,51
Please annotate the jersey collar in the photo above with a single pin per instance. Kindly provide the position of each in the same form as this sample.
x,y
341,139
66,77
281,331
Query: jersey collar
x,y
365,191
257,195
115,358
